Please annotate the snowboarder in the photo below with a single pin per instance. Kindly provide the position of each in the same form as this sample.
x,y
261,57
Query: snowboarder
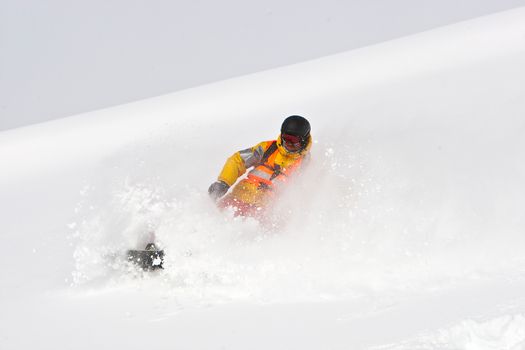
x,y
272,162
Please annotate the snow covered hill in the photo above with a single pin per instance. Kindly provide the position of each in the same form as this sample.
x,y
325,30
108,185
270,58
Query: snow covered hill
x,y
406,232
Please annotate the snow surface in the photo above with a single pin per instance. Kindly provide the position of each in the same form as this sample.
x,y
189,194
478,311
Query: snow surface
x,y
406,232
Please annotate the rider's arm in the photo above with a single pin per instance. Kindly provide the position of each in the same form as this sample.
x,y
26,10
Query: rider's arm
x,y
237,164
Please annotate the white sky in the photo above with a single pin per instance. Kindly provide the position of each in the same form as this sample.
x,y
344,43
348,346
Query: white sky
x,y
63,57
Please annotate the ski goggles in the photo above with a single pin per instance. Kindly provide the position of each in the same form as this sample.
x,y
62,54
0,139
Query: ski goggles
x,y
292,143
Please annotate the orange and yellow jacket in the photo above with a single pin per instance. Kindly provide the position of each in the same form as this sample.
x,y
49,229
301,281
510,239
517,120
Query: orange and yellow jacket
x,y
271,166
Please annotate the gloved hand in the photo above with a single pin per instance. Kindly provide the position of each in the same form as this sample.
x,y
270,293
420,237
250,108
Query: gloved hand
x,y
218,189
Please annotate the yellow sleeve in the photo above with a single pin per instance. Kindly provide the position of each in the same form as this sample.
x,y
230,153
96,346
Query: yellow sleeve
x,y
237,164
233,168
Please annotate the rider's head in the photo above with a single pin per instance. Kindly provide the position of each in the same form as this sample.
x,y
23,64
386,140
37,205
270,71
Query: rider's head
x,y
295,133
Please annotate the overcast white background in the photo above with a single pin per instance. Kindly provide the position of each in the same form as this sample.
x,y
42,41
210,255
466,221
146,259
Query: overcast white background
x,y
63,57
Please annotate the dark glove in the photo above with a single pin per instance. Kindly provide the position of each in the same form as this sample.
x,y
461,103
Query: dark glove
x,y
218,189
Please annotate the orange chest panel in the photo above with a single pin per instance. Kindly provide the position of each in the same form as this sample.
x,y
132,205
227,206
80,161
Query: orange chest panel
x,y
277,168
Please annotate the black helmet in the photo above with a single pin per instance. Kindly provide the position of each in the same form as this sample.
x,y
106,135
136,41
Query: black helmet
x,y
297,126
294,133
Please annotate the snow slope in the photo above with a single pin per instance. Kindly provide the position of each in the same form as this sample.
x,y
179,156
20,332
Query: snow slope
x,y
406,232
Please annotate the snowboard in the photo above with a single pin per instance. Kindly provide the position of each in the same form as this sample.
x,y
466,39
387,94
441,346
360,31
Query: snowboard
x,y
150,258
